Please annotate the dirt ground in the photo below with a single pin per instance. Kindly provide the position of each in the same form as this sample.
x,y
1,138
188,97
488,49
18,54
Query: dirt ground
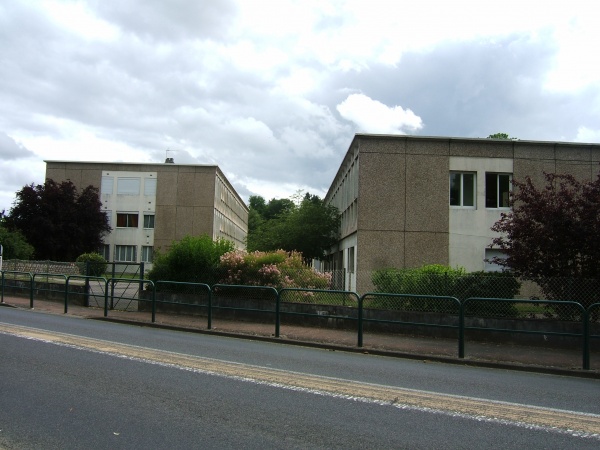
x,y
489,354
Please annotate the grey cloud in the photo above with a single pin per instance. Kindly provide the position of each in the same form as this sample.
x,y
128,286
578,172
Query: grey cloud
x,y
10,150
153,100
16,173
477,88
170,20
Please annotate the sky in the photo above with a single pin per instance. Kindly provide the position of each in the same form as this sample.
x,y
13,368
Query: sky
x,y
273,91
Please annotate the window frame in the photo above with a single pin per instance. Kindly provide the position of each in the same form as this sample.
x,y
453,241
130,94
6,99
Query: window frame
x,y
104,250
498,200
462,190
150,186
128,186
117,255
130,222
153,222
144,254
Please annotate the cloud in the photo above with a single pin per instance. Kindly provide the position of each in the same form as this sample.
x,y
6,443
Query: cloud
x,y
585,134
477,88
272,91
13,150
174,20
18,166
372,116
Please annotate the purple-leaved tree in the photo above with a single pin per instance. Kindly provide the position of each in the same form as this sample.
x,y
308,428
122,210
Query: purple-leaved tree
x,y
551,236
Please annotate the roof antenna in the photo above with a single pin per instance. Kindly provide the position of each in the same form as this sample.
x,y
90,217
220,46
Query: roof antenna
x,y
167,159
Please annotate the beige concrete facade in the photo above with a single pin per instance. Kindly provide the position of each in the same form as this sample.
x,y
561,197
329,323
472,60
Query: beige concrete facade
x,y
394,196
186,200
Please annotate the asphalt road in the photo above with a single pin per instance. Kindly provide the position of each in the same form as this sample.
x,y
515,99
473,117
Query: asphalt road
x,y
73,383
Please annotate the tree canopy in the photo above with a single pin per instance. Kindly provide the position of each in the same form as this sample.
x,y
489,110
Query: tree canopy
x,y
307,226
58,221
552,232
500,136
14,245
551,237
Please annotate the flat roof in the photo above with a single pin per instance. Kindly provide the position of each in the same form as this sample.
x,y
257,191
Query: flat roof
x,y
473,139
64,161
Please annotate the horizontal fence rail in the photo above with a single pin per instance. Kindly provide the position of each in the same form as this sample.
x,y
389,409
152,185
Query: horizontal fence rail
x,y
392,312
448,307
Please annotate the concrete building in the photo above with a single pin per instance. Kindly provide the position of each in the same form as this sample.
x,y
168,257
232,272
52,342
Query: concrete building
x,y
407,201
151,205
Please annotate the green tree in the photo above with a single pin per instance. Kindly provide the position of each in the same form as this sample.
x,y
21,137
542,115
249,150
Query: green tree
x,y
278,208
500,136
312,228
256,213
194,259
307,226
14,245
58,221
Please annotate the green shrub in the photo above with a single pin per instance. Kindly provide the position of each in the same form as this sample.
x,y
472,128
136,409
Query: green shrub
x,y
194,259
438,280
387,280
433,279
489,285
14,244
91,264
429,280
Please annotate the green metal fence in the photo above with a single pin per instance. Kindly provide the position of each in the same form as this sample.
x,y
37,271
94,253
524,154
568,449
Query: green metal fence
x,y
86,292
593,314
438,311
328,305
182,297
257,302
17,281
402,312
490,308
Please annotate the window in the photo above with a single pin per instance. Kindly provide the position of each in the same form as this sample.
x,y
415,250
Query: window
x,y
462,189
147,253
107,185
148,220
490,265
105,251
126,253
127,220
351,260
128,186
150,186
497,190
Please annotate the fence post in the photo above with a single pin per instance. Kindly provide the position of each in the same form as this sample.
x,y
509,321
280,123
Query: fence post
x,y
209,312
112,287
277,315
66,293
586,338
31,285
461,329
360,320
86,292
141,289
153,302
106,298
2,293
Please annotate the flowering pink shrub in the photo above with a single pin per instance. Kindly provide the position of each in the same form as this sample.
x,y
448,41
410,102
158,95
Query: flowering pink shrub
x,y
276,269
